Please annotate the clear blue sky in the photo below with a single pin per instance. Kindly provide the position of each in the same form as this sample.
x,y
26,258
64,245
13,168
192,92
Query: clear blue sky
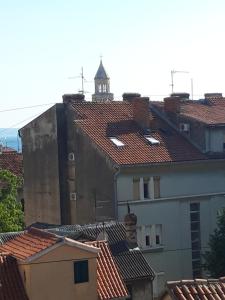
x,y
45,42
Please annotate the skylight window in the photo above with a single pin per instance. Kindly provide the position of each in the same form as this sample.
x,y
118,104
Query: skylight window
x,y
116,142
152,140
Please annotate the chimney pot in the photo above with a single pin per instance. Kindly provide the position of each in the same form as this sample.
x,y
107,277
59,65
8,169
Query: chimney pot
x,y
73,98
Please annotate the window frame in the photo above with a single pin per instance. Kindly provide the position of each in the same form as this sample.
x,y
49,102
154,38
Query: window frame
x,y
81,271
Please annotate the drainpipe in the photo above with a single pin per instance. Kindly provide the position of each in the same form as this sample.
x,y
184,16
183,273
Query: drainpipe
x,y
115,191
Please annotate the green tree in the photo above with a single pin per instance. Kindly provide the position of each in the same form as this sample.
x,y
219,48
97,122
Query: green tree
x,y
11,215
215,257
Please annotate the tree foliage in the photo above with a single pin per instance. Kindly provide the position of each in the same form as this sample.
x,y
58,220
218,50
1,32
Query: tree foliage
x,y
215,257
11,215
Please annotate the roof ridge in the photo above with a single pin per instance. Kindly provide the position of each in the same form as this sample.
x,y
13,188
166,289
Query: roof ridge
x,y
42,233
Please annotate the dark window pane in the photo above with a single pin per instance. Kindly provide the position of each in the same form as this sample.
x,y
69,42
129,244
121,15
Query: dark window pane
x,y
81,271
196,265
194,206
195,216
195,226
157,239
195,236
146,193
147,240
196,245
197,273
196,255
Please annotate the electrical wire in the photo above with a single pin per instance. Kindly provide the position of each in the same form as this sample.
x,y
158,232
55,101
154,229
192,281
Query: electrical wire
x,y
26,107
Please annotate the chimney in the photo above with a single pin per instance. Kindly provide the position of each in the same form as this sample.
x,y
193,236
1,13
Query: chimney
x,y
213,95
141,112
130,96
172,103
130,222
73,98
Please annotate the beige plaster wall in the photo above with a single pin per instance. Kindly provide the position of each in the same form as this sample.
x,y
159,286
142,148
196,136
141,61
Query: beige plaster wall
x,y
51,277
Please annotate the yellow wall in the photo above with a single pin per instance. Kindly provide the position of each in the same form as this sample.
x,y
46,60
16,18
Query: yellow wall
x,y
51,277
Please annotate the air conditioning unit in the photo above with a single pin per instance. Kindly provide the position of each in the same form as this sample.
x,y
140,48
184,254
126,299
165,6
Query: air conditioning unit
x,y
184,127
71,156
73,196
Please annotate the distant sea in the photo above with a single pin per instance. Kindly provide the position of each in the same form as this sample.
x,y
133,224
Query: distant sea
x,y
9,138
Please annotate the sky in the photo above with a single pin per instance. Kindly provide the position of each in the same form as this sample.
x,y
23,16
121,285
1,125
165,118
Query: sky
x,y
45,43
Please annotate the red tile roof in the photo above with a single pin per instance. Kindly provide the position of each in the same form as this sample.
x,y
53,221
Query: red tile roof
x,y
30,243
12,161
115,119
210,114
201,289
109,281
208,111
11,284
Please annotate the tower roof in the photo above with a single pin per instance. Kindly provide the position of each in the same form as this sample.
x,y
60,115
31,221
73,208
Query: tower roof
x,y
101,73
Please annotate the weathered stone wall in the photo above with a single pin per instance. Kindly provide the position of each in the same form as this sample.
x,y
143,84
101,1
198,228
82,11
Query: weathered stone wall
x,y
41,171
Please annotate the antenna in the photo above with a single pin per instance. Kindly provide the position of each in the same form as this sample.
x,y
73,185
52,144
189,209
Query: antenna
x,y
172,80
82,91
192,93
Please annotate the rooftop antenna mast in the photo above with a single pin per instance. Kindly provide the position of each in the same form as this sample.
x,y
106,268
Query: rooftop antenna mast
x,y
172,79
82,91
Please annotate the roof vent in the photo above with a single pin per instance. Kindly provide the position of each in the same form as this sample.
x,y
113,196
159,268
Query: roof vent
x,y
152,140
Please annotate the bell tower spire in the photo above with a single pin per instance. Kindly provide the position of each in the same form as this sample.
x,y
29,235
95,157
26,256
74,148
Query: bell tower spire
x,y
102,85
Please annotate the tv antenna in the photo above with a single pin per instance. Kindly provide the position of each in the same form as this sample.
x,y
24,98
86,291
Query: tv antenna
x,y
81,76
172,79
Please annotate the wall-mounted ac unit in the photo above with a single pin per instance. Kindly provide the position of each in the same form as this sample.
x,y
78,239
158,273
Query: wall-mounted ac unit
x,y
71,156
73,196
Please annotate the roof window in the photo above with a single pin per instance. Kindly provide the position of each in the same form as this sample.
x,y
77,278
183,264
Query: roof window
x,y
152,140
116,142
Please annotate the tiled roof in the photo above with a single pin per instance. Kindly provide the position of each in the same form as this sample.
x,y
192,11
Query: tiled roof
x,y
11,285
12,161
109,282
208,111
210,114
115,119
131,263
198,289
30,243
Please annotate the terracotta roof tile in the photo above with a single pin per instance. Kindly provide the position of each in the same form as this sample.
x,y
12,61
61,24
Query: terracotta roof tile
x,y
109,281
29,243
201,289
11,285
12,161
103,120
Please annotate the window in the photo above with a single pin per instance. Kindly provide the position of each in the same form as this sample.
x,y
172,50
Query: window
x,y
149,236
81,271
195,238
146,188
116,142
185,127
152,140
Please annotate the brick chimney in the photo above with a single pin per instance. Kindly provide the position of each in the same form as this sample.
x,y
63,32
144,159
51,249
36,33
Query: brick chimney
x,y
130,222
73,98
172,103
141,112
130,96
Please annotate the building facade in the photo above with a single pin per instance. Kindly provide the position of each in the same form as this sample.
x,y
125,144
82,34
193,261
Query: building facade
x,y
85,162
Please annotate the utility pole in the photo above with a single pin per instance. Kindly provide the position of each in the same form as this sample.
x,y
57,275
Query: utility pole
x,y
172,79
